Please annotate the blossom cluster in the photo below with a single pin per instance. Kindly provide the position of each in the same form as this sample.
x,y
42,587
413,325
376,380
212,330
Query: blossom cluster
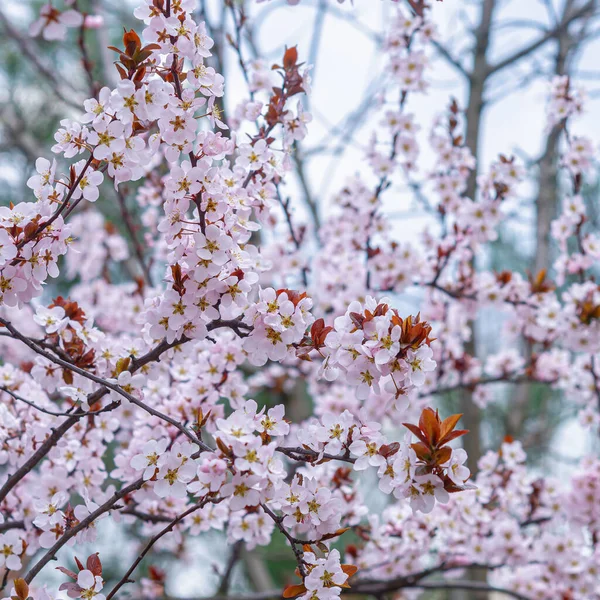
x,y
170,388
509,524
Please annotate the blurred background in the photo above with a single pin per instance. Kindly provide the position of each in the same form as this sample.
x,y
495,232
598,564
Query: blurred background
x,y
496,57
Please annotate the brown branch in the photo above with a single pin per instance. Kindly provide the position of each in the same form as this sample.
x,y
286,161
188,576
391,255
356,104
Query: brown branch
x,y
237,326
108,505
311,204
131,229
28,465
595,379
306,455
233,559
85,58
125,579
105,383
11,525
33,56
445,53
298,553
150,518
59,211
52,413
567,19
285,205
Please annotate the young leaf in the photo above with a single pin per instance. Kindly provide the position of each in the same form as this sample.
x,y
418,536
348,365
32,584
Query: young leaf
x,y
349,569
449,424
94,565
291,591
21,588
452,436
416,431
430,425
290,57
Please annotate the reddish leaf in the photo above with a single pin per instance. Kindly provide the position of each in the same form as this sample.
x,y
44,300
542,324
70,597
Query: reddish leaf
x,y
223,447
357,319
452,436
449,424
452,488
422,451
94,565
67,572
430,425
290,58
388,450
317,326
122,72
443,455
131,41
329,536
21,588
349,569
414,429
291,591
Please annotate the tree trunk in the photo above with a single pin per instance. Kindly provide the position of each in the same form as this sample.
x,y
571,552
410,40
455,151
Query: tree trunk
x,y
473,115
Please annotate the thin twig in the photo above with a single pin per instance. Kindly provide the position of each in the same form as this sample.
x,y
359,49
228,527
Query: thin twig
x,y
297,551
131,229
108,505
34,57
125,579
104,382
233,559
52,413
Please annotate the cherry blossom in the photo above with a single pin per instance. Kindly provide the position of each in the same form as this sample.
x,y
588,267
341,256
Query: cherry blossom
x,y
158,394
53,23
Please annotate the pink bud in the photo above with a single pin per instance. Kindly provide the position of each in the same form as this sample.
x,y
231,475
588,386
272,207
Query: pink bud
x,y
93,21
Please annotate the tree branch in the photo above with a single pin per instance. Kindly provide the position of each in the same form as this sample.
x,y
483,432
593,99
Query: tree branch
x,y
125,579
107,384
587,8
108,505
33,57
131,229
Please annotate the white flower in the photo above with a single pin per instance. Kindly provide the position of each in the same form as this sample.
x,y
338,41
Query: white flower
x,y
45,175
419,362
457,472
11,547
51,319
53,24
173,478
130,383
90,585
148,459
8,250
425,490
88,184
